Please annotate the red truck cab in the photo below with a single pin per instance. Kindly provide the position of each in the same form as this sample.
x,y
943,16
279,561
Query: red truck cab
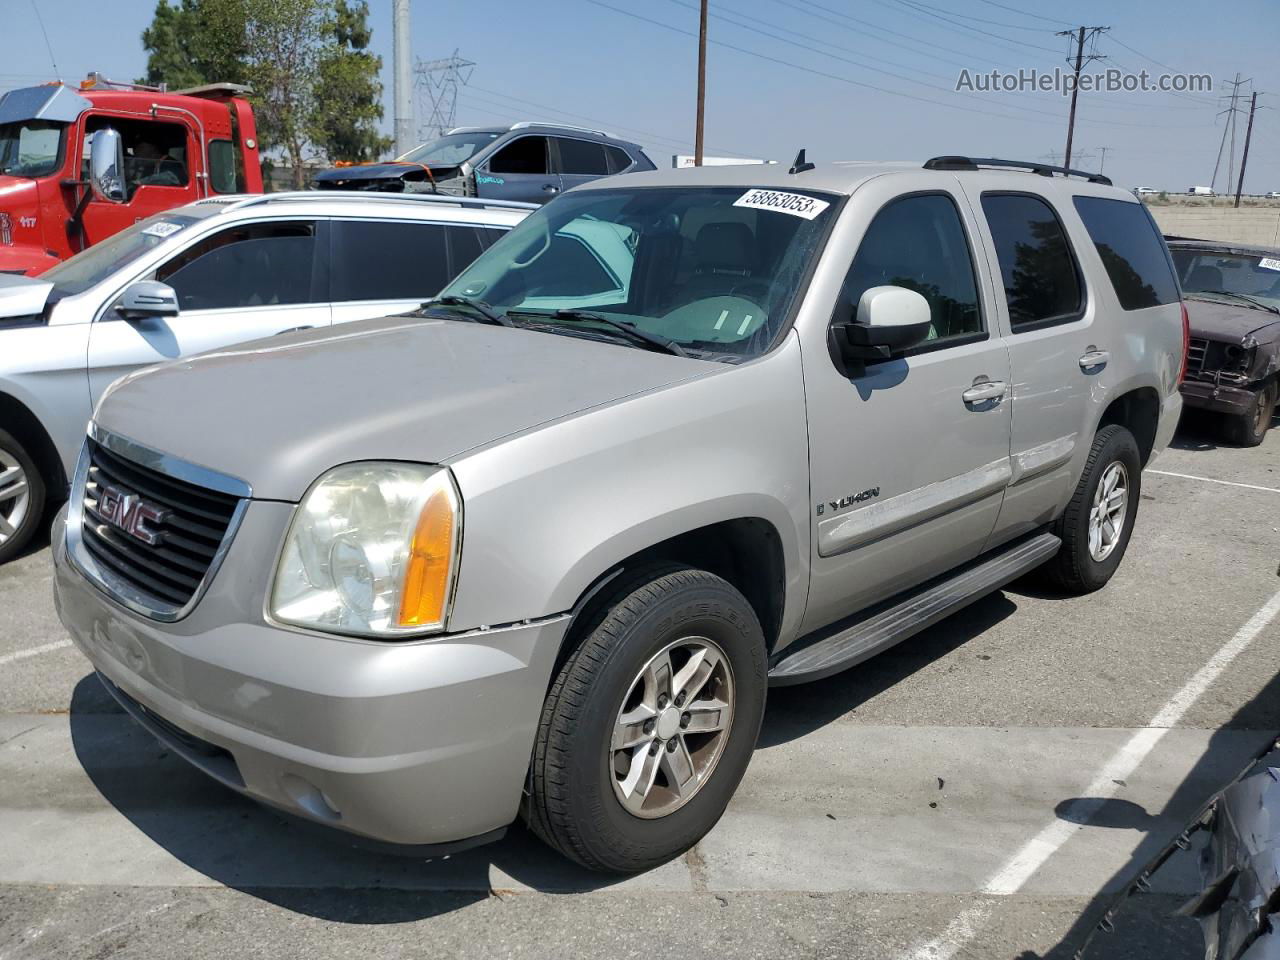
x,y
175,148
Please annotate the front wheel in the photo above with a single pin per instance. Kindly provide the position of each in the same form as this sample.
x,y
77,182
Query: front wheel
x,y
22,497
1096,526
650,723
1250,428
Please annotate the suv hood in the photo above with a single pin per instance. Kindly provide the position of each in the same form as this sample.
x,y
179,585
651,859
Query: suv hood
x,y
1227,322
280,412
22,296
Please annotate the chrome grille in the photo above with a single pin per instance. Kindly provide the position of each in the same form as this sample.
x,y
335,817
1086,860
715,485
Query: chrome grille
x,y
151,538
1196,349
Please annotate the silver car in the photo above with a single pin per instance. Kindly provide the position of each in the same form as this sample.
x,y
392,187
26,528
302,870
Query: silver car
x,y
540,549
216,272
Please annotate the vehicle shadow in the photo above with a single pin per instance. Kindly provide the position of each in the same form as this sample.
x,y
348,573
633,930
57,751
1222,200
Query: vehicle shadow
x,y
279,859
1145,926
793,712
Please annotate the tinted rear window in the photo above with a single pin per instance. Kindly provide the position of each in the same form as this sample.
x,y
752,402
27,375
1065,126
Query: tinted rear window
x,y
582,157
1041,283
1131,250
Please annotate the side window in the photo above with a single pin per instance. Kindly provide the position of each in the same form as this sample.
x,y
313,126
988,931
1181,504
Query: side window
x,y
1041,282
256,265
1131,249
388,260
619,159
581,157
222,166
919,242
467,243
524,155
155,153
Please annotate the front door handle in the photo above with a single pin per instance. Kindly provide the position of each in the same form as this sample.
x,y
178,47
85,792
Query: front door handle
x,y
550,188
985,390
281,333
1094,358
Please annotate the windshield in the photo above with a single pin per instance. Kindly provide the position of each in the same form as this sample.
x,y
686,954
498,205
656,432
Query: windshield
x,y
100,261
715,270
1243,275
451,150
31,148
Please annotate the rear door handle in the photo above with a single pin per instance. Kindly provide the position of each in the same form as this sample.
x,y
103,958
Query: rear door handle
x,y
281,333
986,390
1094,358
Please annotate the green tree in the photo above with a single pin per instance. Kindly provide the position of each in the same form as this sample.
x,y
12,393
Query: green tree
x,y
348,95
196,42
315,84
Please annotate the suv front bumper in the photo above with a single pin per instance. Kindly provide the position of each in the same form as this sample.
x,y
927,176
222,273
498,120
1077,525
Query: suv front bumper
x,y
1219,398
423,743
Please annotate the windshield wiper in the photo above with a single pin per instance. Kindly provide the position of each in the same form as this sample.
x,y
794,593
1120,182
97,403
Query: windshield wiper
x,y
644,338
483,312
1238,296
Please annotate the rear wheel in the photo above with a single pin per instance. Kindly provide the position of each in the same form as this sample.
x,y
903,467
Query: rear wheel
x,y
22,497
650,723
1097,523
1250,428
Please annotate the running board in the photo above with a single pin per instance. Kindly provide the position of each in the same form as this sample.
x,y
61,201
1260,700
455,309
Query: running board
x,y
865,638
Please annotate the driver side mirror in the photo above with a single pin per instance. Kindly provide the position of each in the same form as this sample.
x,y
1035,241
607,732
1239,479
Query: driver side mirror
x,y
889,320
148,298
106,166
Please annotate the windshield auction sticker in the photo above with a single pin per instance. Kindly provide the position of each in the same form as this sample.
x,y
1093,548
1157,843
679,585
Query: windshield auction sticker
x,y
796,204
1269,263
162,229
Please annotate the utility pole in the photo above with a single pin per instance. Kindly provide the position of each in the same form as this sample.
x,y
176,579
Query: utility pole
x,y
1079,36
1248,135
1229,127
702,84
402,76
1102,164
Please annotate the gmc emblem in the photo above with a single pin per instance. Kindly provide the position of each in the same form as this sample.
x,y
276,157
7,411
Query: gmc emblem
x,y
130,513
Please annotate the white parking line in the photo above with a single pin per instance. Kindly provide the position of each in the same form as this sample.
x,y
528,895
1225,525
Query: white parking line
x,y
1225,483
1019,868
9,658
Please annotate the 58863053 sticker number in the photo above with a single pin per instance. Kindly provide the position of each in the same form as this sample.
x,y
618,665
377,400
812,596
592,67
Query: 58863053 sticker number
x,y
795,204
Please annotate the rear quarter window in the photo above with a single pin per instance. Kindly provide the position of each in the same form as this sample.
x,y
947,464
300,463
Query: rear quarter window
x,y
1132,251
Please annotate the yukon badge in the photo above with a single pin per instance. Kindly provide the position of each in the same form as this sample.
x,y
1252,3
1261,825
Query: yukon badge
x,y
869,494
130,513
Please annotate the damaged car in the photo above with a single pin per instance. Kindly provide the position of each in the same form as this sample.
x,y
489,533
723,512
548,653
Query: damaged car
x,y
1233,363
529,162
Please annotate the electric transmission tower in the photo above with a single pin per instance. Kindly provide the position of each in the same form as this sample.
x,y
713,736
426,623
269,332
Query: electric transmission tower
x,y
1229,128
438,82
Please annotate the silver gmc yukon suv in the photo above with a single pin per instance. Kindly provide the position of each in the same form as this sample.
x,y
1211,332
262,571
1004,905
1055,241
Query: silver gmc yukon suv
x,y
540,547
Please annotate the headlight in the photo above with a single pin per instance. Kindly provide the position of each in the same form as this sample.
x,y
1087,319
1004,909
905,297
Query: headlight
x,y
372,551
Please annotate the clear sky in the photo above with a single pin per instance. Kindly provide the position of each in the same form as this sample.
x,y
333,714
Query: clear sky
x,y
847,79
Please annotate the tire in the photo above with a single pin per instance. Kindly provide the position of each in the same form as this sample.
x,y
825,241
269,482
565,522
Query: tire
x,y
575,802
22,497
1249,429
1077,568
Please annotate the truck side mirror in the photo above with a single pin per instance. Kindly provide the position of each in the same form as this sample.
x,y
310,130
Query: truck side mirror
x,y
106,166
148,298
889,320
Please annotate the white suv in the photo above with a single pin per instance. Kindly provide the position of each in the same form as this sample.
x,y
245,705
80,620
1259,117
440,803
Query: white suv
x,y
217,272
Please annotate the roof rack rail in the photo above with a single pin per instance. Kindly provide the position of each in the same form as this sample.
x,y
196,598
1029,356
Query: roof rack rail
x,y
369,196
1043,169
560,126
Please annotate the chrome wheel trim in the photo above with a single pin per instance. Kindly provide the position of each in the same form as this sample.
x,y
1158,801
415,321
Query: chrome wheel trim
x,y
1110,507
15,496
671,728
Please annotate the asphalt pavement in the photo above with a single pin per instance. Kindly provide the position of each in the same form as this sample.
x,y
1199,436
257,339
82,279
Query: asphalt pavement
x,y
979,791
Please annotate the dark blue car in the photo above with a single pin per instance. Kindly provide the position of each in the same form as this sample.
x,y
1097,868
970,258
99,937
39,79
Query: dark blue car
x,y
527,161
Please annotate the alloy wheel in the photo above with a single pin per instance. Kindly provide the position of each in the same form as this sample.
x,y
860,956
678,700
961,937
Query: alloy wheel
x,y
672,727
1110,507
15,496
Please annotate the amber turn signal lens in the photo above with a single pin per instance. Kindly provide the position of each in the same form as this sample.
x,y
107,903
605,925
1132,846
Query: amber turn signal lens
x,y
426,581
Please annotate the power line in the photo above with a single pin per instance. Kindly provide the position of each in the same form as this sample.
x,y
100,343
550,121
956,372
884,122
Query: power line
x,y
1035,16
1080,35
926,11
973,19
